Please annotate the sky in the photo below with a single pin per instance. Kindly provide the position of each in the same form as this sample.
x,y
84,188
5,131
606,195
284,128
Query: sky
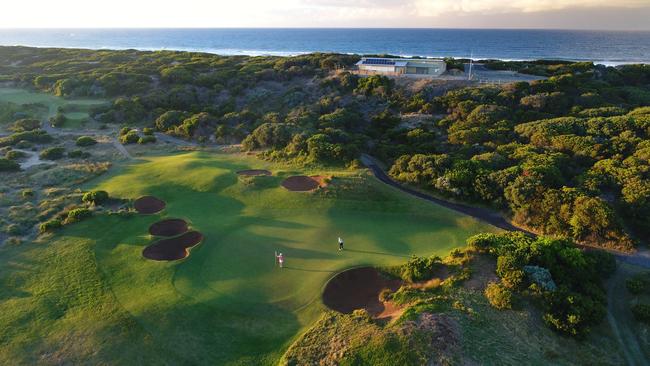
x,y
555,14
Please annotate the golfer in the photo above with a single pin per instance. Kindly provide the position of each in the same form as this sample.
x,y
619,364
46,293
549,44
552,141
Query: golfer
x,y
340,243
280,258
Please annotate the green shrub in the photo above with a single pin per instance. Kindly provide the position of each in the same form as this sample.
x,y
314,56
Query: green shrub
x,y
26,124
7,165
35,136
642,312
419,268
50,225
78,154
639,283
95,197
499,296
58,120
86,141
15,155
482,242
77,214
27,193
125,130
146,139
13,229
572,313
23,144
52,153
130,137
147,131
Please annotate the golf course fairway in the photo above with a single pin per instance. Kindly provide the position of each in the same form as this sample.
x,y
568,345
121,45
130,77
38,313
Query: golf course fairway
x,y
227,302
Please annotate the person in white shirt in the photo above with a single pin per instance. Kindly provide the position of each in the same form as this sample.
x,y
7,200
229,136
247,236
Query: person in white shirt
x,y
340,243
280,259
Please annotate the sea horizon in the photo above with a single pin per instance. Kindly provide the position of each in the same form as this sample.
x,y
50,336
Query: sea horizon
x,y
608,47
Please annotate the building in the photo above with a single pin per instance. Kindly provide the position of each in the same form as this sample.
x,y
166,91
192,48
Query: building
x,y
402,66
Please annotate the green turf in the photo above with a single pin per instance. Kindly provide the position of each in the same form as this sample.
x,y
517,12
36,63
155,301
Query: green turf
x,y
227,303
75,118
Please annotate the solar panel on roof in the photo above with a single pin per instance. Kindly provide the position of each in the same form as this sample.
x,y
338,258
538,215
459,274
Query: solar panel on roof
x,y
378,61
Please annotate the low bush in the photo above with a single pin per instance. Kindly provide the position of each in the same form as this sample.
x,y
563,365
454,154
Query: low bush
x,y
13,229
86,141
50,225
146,139
78,154
499,296
147,131
481,242
35,136
130,137
639,283
58,120
642,312
419,268
15,155
7,165
95,197
27,193
26,124
78,214
52,153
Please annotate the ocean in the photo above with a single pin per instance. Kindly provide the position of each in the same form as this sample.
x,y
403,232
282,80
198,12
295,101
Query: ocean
x,y
606,47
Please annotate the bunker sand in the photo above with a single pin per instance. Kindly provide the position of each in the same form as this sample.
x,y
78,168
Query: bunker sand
x,y
359,288
303,183
149,205
173,248
168,227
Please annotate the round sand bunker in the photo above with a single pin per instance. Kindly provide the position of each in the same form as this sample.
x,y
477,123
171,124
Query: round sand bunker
x,y
302,183
148,205
254,172
168,227
358,288
173,248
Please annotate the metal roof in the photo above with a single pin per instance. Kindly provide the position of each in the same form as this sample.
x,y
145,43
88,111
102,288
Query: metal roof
x,y
401,62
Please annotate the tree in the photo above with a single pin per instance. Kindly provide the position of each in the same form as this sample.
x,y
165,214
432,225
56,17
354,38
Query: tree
x,y
170,120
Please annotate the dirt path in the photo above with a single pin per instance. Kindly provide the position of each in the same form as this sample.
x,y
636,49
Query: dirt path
x,y
173,140
639,258
619,319
32,159
483,214
121,148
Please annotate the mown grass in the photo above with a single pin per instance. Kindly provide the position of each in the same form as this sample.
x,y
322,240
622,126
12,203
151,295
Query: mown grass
x,y
78,108
226,303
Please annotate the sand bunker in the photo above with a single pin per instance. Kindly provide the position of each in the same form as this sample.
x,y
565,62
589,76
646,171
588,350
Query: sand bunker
x,y
148,205
358,288
302,183
168,227
173,248
254,172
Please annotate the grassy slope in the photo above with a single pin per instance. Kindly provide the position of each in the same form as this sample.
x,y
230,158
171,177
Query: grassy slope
x,y
226,303
22,96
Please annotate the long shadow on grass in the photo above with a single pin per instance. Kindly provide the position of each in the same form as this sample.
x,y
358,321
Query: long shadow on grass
x,y
377,253
308,269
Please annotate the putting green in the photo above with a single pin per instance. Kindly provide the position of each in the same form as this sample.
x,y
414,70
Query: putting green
x,y
227,303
